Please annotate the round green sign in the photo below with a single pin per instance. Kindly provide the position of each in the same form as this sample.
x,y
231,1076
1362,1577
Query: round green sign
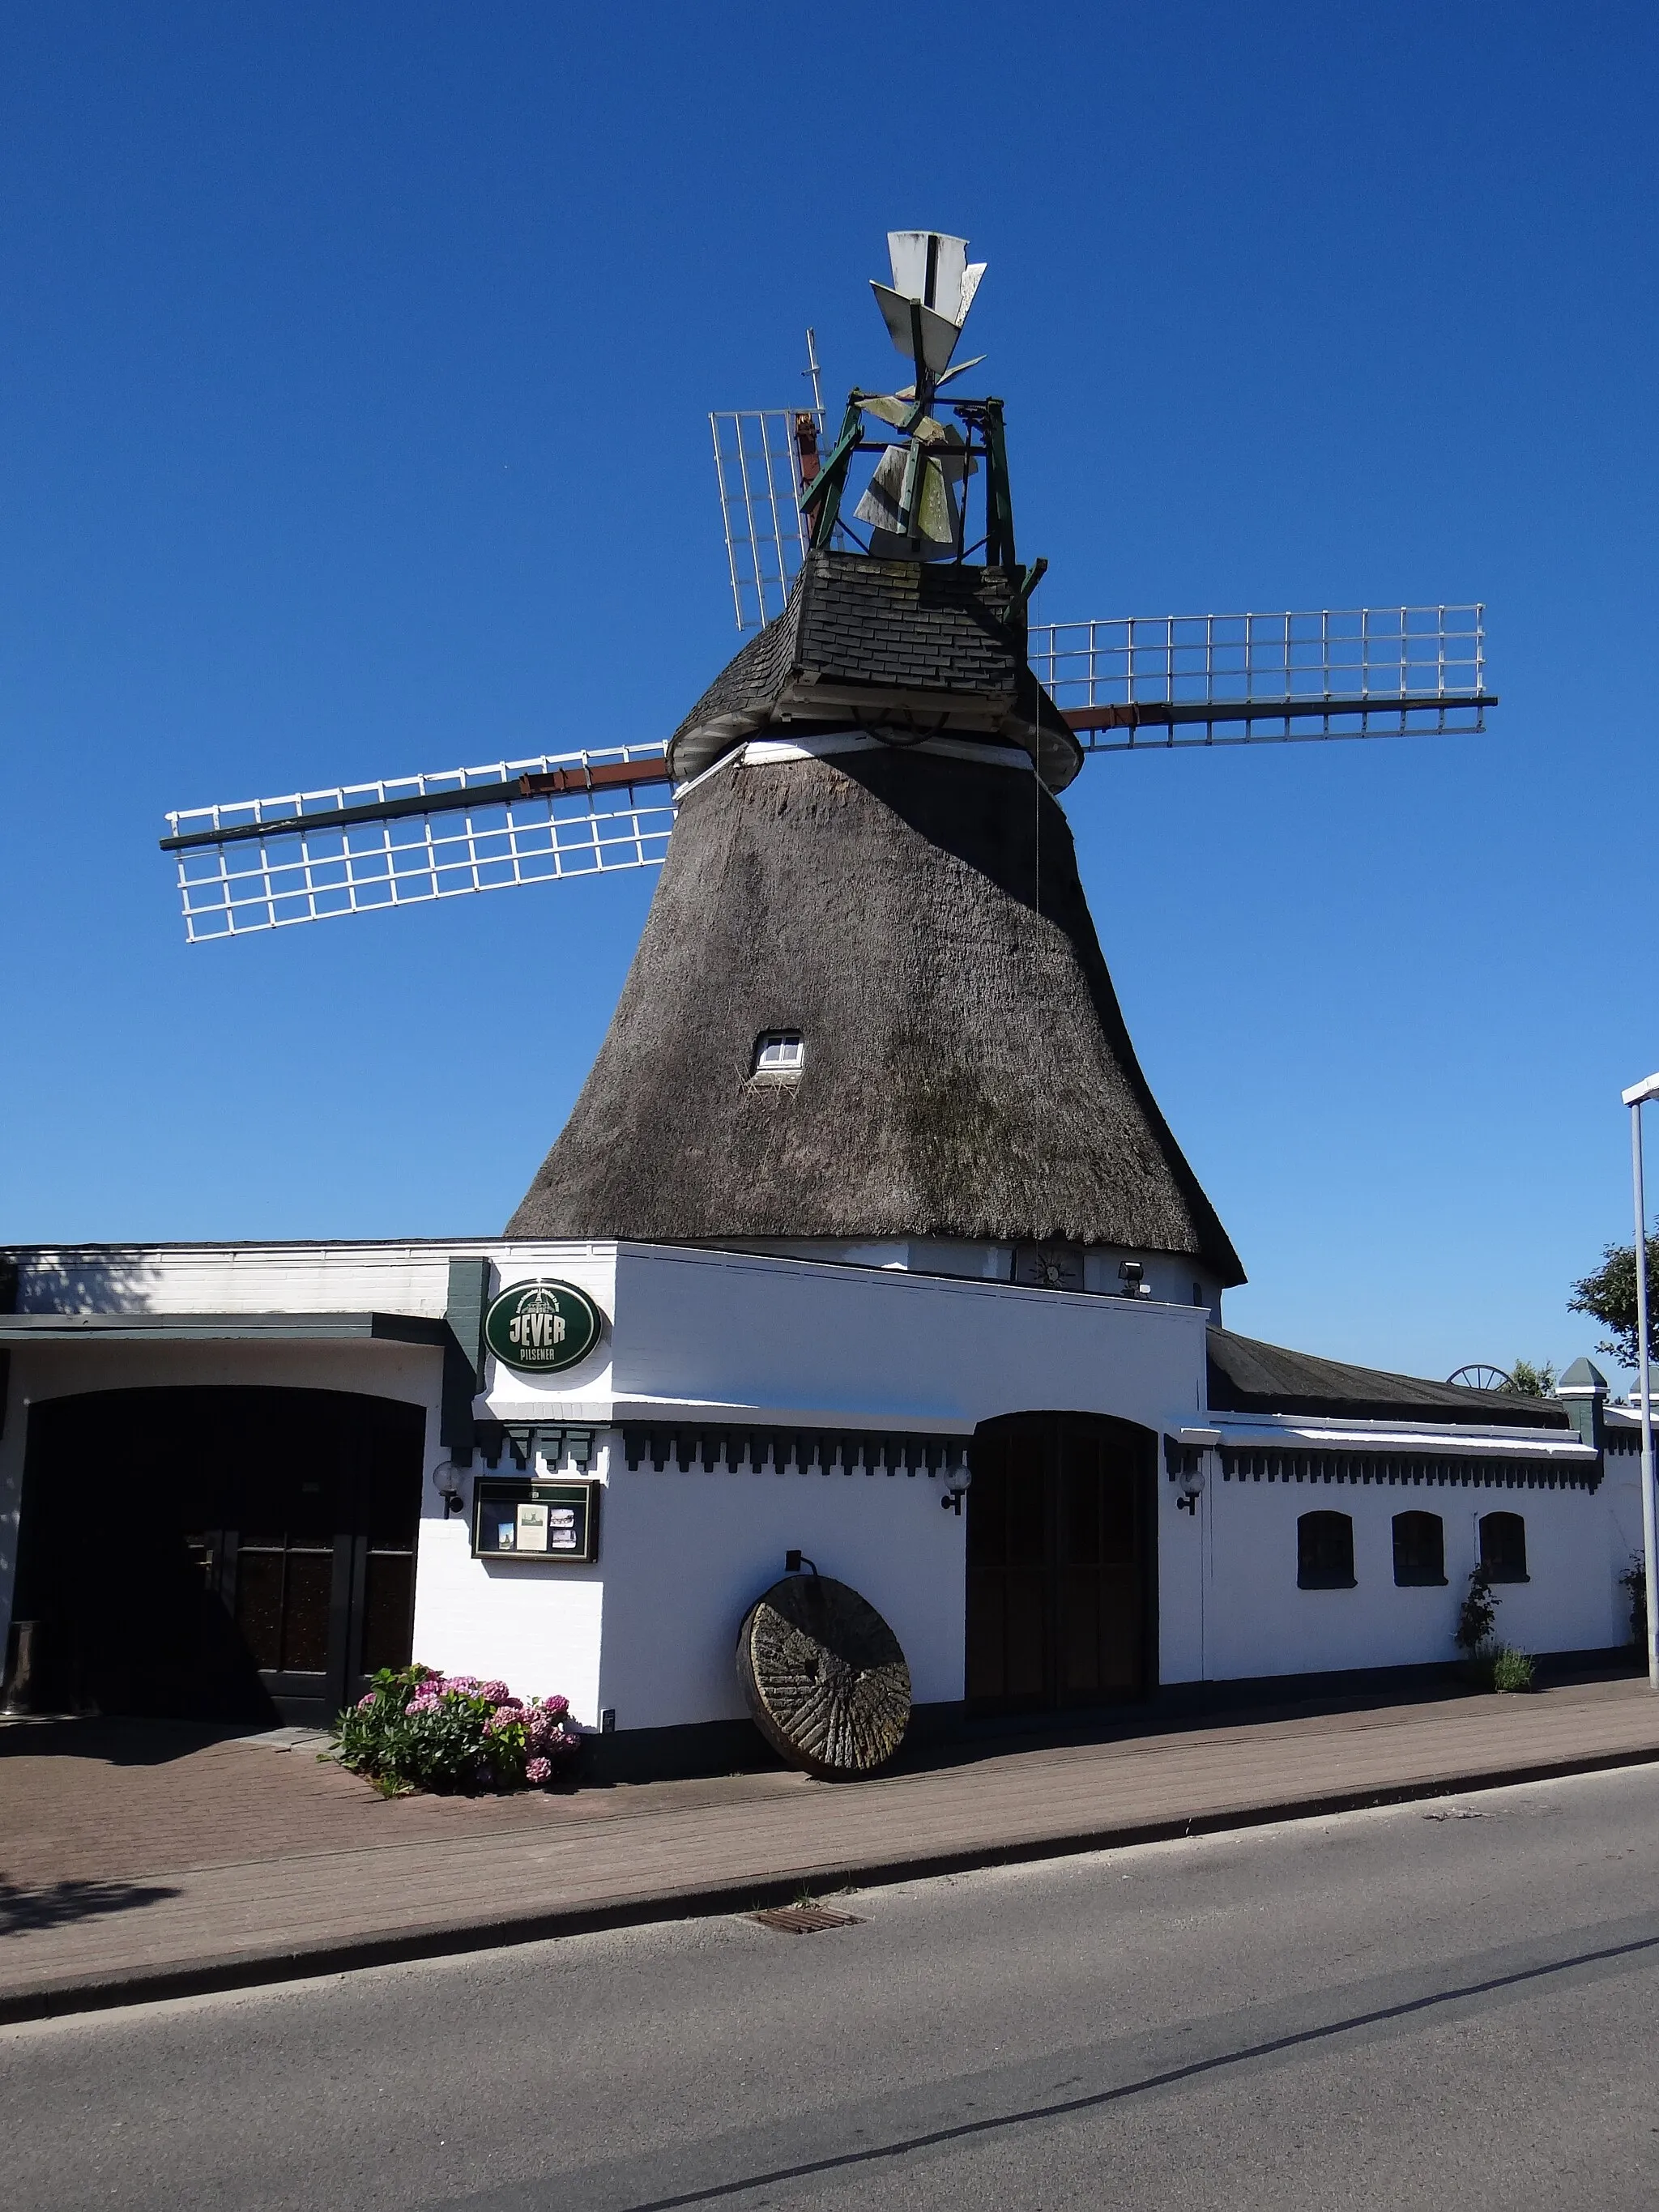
x,y
541,1328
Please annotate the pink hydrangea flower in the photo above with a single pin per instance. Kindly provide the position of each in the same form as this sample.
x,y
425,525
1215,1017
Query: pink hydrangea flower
x,y
497,1692
422,1704
556,1704
369,1698
538,1770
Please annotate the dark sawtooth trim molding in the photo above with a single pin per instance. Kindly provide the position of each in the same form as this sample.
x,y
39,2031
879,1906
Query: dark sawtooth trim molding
x,y
689,1447
1258,1463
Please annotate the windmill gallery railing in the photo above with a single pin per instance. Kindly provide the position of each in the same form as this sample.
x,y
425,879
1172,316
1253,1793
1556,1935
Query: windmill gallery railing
x,y
1239,679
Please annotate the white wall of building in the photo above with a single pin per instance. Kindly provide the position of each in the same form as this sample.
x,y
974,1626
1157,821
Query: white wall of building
x,y
687,1554
1182,1591
535,1626
1258,1622
747,1338
746,1335
650,1629
410,1277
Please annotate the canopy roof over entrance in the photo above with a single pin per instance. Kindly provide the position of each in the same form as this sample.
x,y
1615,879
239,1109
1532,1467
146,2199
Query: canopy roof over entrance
x,y
221,1327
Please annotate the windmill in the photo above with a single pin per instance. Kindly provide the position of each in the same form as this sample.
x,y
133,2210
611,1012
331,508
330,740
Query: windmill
x,y
869,1003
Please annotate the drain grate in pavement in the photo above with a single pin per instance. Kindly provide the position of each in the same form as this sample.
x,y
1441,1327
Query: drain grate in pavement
x,y
805,1919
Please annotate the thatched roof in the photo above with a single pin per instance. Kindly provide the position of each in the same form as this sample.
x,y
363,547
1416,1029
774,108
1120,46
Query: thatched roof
x,y
1248,1377
968,1074
919,646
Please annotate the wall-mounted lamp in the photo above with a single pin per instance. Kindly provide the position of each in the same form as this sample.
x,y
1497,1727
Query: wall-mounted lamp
x,y
958,1481
1183,1455
1131,1274
446,1481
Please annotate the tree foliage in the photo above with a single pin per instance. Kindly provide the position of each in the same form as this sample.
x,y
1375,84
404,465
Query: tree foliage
x,y
1609,1296
1527,1380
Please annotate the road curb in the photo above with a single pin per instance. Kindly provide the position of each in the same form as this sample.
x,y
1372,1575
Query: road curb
x,y
267,1968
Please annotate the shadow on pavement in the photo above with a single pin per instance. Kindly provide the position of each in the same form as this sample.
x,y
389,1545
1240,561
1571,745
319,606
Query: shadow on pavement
x,y
114,1741
30,1912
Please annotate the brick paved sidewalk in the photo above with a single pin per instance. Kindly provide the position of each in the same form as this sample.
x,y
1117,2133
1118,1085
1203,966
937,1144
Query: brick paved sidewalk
x,y
142,1859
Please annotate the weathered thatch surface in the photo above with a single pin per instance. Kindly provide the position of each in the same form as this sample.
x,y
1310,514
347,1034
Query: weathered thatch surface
x,y
1249,1377
967,1070
909,644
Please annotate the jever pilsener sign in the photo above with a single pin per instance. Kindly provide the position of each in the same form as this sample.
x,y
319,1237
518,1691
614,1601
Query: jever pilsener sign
x,y
542,1328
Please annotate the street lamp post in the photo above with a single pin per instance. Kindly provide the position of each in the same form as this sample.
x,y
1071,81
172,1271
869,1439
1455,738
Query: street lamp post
x,y
1635,1097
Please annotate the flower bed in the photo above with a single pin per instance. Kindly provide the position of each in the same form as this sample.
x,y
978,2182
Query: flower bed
x,y
419,1729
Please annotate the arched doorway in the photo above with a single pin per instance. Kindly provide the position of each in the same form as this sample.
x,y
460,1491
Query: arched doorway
x,y
220,1552
1061,1562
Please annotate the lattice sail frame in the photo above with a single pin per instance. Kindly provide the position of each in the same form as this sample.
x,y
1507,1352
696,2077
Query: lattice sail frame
x,y
1167,680
231,885
757,464
1125,684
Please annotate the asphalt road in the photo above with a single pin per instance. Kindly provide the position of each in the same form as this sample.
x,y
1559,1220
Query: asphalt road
x,y
1448,2006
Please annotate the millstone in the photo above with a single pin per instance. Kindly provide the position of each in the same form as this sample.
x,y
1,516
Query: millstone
x,y
824,1676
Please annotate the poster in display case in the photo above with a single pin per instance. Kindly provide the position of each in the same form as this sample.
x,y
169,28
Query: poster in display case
x,y
526,1519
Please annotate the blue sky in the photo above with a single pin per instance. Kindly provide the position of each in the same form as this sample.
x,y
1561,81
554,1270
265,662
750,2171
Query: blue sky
x,y
352,413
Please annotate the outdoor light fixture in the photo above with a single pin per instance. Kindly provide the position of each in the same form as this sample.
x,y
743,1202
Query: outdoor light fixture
x,y
1636,1098
446,1481
1132,1276
1192,1444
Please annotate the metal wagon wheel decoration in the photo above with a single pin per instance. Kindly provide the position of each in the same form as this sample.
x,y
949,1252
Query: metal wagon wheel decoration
x,y
1479,1377
825,1678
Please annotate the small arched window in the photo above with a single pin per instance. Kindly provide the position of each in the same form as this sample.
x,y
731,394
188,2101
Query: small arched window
x,y
1324,1551
1419,1549
1504,1547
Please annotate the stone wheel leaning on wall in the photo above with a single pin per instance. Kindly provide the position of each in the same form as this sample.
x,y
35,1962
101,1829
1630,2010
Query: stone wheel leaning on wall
x,y
825,1678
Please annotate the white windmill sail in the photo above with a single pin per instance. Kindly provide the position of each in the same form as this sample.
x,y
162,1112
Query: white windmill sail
x,y
1138,680
765,459
1122,684
315,855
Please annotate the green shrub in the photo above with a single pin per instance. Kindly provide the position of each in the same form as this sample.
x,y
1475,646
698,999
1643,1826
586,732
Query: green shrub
x,y
414,1728
1511,1669
1477,1617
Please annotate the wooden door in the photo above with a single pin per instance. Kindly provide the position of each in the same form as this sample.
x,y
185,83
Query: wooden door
x,y
1059,1609
284,1543
220,1553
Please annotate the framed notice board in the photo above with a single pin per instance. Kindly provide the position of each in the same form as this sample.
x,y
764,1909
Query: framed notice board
x,y
551,1523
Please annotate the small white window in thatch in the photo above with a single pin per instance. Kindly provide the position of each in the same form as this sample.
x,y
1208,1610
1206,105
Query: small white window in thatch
x,y
780,1056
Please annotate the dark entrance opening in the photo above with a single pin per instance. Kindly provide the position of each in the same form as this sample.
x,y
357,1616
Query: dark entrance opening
x,y
220,1553
1060,1607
